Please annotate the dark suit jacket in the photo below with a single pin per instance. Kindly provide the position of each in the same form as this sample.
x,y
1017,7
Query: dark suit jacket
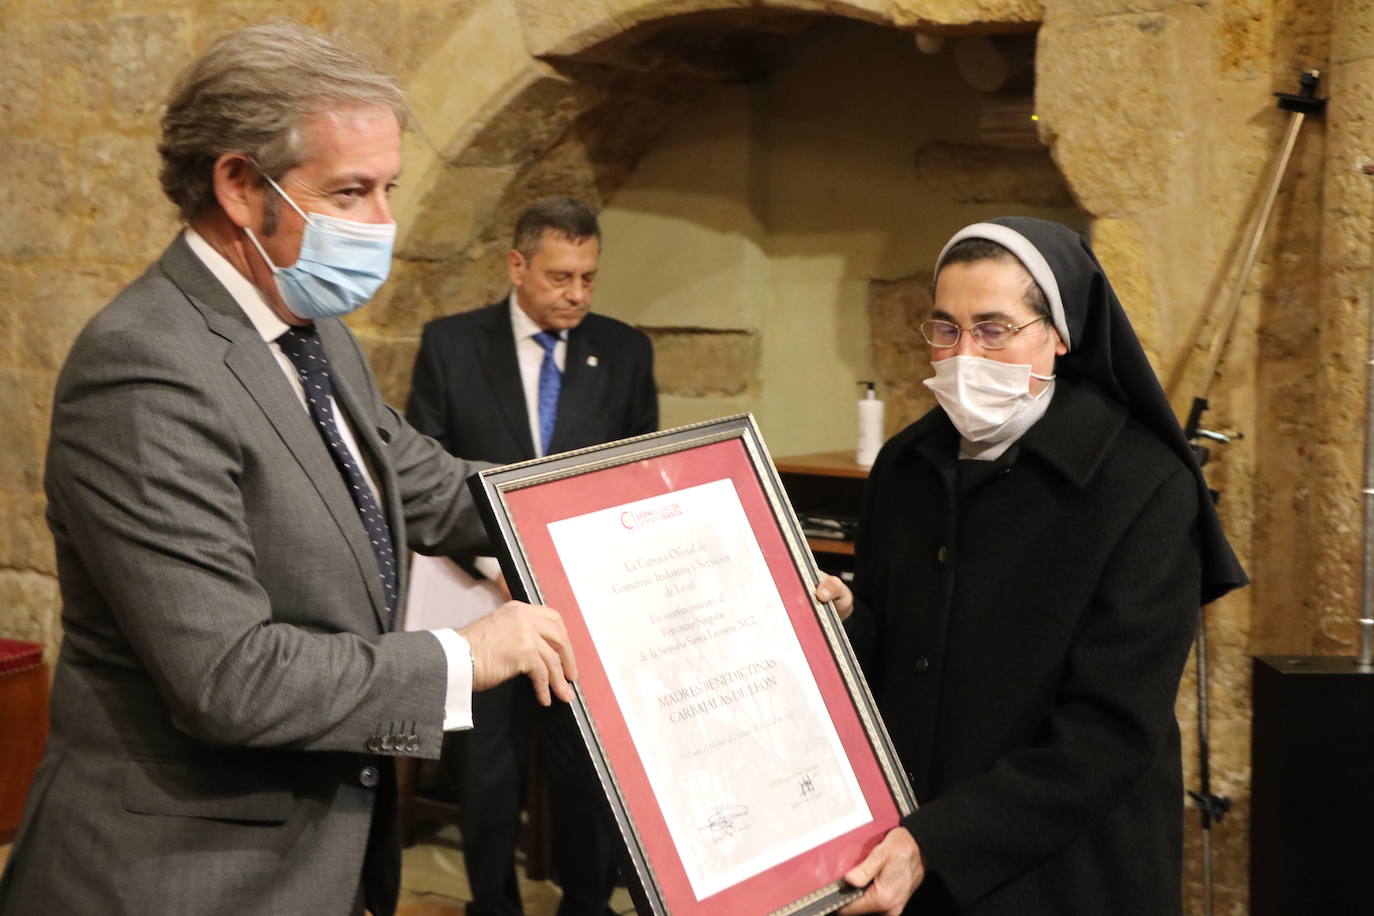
x,y
1023,625
466,391
224,676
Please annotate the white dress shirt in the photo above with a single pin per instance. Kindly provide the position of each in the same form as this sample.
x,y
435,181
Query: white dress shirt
x,y
458,696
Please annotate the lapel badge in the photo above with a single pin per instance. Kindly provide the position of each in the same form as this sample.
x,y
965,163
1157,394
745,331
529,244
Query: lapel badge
x,y
591,361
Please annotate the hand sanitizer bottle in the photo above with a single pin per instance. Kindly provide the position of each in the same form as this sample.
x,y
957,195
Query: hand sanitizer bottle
x,y
870,427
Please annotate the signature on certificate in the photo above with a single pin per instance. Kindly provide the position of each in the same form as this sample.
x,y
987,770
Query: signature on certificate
x,y
723,822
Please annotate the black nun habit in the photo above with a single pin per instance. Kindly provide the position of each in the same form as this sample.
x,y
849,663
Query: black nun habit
x,y
1024,628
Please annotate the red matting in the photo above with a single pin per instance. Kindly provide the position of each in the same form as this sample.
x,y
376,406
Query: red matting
x,y
532,508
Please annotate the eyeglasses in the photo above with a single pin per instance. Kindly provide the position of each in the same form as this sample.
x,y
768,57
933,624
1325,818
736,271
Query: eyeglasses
x,y
990,335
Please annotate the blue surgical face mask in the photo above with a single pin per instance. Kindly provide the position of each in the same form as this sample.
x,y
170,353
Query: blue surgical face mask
x,y
341,264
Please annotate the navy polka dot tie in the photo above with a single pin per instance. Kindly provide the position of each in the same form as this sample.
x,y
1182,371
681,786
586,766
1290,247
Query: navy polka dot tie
x,y
306,352
550,381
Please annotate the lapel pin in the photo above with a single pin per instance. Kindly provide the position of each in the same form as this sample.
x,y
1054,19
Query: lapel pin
x,y
591,360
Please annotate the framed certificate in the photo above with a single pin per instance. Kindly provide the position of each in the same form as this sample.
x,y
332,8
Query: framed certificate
x,y
738,745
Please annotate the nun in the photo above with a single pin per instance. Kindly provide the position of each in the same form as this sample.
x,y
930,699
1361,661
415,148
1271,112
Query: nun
x,y
1030,562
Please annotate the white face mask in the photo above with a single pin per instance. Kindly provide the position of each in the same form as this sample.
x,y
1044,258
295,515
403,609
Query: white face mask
x,y
984,398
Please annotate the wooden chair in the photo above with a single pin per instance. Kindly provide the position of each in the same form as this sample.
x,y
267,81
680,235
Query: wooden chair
x,y
23,727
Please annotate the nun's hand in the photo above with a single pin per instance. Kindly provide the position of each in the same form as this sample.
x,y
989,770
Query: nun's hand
x,y
889,876
830,588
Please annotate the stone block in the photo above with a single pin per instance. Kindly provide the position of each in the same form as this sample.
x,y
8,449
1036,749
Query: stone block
x,y
568,168
456,212
1120,247
629,13
983,15
992,175
422,290
129,219
391,359
29,608
468,76
901,357
705,362
1352,31
565,27
1244,40
376,30
146,53
38,186
1114,137
1291,401
25,542
528,124
675,410
15,282
53,71
25,406
1064,9
426,26
66,296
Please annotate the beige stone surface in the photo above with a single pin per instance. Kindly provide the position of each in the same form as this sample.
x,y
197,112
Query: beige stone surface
x,y
29,599
70,294
25,403
126,217
1116,159
44,60
564,28
901,357
999,15
1353,41
25,539
705,363
1120,248
972,174
38,185
146,52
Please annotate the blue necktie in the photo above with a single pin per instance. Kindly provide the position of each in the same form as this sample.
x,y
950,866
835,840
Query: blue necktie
x,y
306,351
550,381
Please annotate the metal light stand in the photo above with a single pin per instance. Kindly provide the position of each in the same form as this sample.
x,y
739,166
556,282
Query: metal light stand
x,y
1365,658
1212,807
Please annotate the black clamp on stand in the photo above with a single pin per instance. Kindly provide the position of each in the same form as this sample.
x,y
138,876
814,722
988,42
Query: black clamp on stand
x,y
1305,101
1213,807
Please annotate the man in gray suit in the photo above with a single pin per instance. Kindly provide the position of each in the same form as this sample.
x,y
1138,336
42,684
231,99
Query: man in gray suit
x,y
227,492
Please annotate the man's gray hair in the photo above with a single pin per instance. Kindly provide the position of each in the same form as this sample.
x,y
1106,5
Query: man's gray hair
x,y
558,213
248,93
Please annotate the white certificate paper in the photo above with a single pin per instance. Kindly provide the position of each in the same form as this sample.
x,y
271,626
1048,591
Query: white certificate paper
x,y
716,691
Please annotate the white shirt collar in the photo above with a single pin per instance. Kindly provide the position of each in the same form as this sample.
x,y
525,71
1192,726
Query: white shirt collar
x,y
248,296
523,325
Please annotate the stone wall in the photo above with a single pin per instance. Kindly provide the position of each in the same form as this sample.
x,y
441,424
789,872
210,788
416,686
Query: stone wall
x,y
1158,114
770,209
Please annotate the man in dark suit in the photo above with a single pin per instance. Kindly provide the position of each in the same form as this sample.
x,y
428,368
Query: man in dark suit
x,y
226,491
531,375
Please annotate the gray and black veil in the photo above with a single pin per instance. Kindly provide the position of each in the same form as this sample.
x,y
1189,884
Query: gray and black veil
x,y
1104,350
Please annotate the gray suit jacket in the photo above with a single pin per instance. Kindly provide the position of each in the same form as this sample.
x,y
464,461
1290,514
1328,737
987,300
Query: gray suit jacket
x,y
226,702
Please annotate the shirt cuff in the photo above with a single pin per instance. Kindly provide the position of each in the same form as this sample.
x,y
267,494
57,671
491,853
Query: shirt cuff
x,y
487,566
458,695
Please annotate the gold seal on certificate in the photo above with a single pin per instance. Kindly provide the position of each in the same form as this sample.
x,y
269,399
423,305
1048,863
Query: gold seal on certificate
x,y
739,749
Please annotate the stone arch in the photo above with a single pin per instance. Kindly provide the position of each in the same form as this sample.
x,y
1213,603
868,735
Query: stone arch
x,y
581,94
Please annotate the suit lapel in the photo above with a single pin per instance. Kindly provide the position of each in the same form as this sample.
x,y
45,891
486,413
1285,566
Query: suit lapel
x,y
253,364
502,369
581,377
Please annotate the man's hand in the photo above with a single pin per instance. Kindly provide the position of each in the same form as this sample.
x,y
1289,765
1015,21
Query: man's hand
x,y
831,588
891,874
521,638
